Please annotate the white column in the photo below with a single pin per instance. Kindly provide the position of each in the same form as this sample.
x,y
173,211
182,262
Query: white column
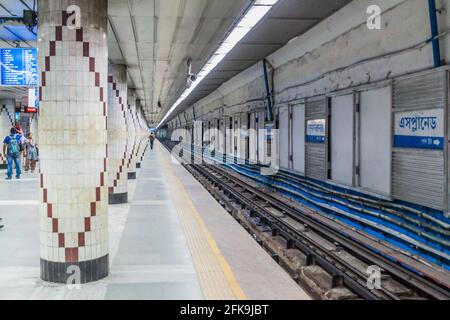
x,y
73,61
132,138
117,134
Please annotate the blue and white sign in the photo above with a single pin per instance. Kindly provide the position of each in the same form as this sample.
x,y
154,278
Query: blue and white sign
x,y
33,97
420,129
19,67
270,127
315,131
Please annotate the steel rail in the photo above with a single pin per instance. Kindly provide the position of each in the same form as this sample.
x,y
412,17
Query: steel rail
x,y
331,263
407,277
352,278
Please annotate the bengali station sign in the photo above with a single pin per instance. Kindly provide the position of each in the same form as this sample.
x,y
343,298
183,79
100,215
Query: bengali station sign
x,y
420,129
316,131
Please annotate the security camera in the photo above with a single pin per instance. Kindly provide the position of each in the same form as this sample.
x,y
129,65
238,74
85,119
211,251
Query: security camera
x,y
190,80
30,18
191,77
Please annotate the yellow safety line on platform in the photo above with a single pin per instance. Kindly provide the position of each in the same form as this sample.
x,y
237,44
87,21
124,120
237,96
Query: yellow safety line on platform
x,y
215,275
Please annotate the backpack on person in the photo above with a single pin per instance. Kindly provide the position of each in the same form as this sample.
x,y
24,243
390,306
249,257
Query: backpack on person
x,y
13,148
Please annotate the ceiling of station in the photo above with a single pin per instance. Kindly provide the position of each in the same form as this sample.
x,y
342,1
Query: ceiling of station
x,y
13,93
155,38
13,33
287,20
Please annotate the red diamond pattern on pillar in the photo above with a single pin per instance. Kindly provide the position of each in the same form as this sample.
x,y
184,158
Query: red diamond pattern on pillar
x,y
61,240
79,35
81,241
93,209
120,99
49,210
87,224
72,254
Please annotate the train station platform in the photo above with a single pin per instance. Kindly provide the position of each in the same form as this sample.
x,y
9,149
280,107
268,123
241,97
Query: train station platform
x,y
171,241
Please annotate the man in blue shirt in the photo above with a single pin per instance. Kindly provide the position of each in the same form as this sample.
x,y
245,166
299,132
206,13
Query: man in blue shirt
x,y
11,150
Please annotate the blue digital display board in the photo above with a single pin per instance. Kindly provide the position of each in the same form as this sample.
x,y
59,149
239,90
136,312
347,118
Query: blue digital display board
x,y
19,67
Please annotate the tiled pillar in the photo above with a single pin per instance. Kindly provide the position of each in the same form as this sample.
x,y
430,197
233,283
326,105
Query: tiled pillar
x,y
132,139
7,114
73,63
139,136
117,134
144,133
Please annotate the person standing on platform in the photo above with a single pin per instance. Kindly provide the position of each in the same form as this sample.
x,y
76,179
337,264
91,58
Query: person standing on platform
x,y
11,151
18,128
23,144
152,140
31,154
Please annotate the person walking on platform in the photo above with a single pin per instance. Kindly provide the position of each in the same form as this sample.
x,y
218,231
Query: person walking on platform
x,y
11,151
152,140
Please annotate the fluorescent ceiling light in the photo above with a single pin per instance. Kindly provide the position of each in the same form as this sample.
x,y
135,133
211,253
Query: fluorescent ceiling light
x,y
256,12
266,2
253,16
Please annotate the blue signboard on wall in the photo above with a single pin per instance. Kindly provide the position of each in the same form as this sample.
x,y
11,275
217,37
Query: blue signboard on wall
x,y
19,67
315,131
420,130
33,97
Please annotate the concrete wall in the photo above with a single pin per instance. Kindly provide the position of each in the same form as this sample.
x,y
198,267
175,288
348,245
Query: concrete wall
x,y
340,52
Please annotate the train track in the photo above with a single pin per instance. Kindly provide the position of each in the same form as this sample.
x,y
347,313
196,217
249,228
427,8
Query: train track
x,y
326,263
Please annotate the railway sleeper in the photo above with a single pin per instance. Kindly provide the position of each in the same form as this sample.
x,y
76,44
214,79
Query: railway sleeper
x,y
323,284
291,260
387,282
283,251
294,262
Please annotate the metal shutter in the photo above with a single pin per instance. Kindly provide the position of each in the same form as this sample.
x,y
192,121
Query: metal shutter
x,y
317,153
284,127
419,175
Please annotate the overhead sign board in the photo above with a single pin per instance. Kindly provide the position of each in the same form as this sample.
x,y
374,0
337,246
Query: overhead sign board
x,y
33,98
30,110
420,129
316,130
19,67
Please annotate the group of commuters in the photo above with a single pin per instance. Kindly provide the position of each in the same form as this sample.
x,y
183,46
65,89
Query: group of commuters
x,y
19,150
17,146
